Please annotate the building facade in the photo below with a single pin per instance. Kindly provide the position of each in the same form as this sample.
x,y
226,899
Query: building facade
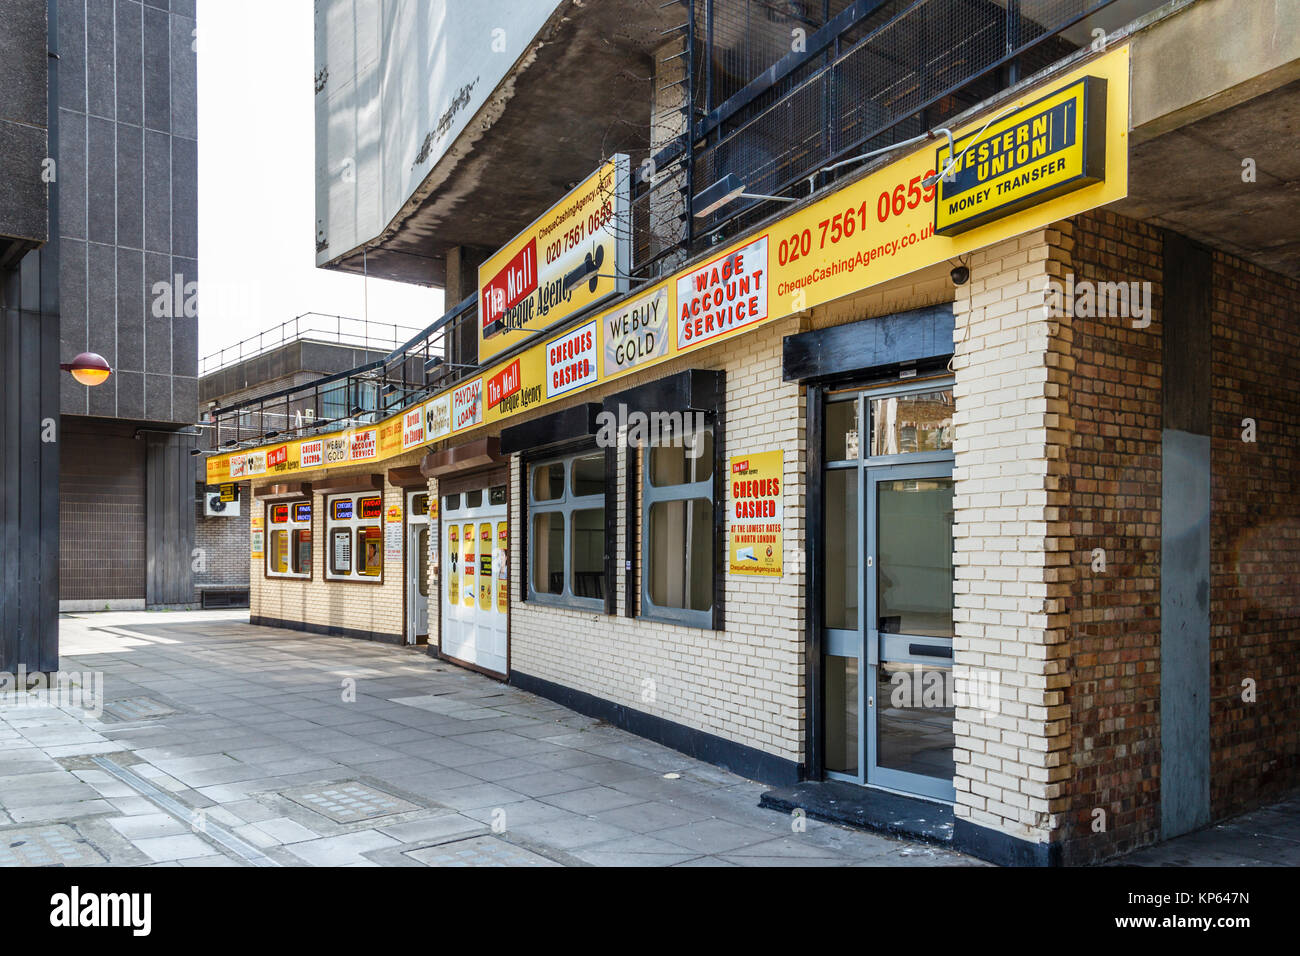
x,y
952,473
100,471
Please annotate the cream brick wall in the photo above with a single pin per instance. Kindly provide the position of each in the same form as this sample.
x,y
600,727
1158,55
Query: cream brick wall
x,y
362,605
1011,537
744,683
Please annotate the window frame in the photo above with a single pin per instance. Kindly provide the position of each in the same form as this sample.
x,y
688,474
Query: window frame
x,y
708,489
355,526
290,526
567,505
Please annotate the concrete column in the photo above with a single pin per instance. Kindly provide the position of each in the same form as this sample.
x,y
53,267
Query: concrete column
x,y
461,282
1012,551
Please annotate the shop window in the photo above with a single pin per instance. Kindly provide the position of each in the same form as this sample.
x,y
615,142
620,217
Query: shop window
x,y
911,423
678,533
288,552
566,544
355,537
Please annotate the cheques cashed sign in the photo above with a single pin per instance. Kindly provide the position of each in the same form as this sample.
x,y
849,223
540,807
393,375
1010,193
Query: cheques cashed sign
x,y
723,295
756,519
571,361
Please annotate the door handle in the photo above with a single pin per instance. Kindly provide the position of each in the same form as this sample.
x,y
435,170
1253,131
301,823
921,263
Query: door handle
x,y
928,650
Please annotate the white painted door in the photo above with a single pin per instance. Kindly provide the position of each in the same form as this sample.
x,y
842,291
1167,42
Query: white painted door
x,y
418,557
475,579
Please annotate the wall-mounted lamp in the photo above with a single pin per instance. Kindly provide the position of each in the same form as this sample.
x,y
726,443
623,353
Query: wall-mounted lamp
x,y
88,368
727,189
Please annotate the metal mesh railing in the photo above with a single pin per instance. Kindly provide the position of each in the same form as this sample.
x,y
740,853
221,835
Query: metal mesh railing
x,y
899,69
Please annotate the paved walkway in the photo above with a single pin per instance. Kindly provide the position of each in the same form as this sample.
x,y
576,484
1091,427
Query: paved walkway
x,y
222,744
225,744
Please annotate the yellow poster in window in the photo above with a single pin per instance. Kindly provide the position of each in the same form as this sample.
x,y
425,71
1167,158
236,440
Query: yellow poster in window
x,y
485,567
453,552
255,538
499,563
467,564
754,513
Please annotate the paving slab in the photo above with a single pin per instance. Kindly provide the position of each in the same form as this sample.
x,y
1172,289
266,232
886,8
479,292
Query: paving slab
x,y
451,768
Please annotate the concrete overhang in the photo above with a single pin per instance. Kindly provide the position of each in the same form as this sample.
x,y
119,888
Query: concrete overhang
x,y
589,74
1215,143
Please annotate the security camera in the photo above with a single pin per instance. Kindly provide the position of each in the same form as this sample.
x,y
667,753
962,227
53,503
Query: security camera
x,y
960,275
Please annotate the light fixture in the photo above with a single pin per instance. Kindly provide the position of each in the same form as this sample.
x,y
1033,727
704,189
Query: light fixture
x,y
88,368
270,434
727,189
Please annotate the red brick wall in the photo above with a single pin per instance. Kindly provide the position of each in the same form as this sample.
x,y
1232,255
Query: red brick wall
x,y
1114,475
1254,536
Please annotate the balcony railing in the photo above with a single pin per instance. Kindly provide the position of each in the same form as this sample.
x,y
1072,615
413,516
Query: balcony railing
x,y
314,326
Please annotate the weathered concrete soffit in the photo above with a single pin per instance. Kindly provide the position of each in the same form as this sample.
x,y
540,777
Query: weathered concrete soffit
x,y
591,64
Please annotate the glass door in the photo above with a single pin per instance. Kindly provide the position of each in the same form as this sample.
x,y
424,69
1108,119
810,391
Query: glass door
x,y
887,595
909,633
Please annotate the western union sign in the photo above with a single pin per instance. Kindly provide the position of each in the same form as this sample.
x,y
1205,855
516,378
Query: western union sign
x,y
1051,147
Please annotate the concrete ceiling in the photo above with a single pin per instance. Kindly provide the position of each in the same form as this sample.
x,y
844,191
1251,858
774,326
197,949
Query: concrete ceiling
x,y
591,80
1189,180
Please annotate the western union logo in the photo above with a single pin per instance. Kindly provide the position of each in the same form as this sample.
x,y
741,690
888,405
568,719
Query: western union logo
x,y
1051,147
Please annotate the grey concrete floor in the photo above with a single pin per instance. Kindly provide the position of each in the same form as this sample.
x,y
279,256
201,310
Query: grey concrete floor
x,y
223,744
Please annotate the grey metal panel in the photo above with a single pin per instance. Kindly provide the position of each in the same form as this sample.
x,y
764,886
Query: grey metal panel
x,y
1184,633
157,71
22,191
101,186
29,344
101,268
71,171
129,302
72,330
72,55
185,398
185,207
130,394
130,186
22,63
184,78
129,53
157,192
1187,342
157,397
170,521
100,65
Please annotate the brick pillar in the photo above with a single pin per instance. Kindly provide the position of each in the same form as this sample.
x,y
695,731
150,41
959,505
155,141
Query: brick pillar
x,y
1011,550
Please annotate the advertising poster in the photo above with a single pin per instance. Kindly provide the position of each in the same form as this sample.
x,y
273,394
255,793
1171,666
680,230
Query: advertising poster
x,y
754,530
256,538
393,533
568,259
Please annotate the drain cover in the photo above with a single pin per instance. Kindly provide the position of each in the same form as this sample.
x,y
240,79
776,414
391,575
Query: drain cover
x,y
479,851
346,802
55,845
136,708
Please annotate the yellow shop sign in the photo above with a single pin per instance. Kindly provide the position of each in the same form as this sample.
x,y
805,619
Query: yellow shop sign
x,y
1053,146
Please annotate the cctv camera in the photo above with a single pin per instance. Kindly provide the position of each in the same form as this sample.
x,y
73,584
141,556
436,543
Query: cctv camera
x,y
960,275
